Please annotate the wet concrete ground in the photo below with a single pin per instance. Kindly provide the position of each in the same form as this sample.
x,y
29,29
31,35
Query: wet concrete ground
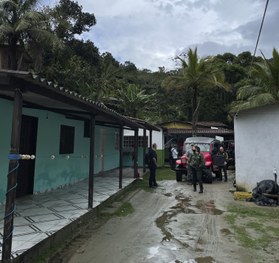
x,y
171,224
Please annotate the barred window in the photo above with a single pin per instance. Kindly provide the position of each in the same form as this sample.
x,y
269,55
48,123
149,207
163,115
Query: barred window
x,y
129,141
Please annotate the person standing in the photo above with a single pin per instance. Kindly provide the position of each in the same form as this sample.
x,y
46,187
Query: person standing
x,y
223,166
174,155
190,151
152,166
189,171
196,163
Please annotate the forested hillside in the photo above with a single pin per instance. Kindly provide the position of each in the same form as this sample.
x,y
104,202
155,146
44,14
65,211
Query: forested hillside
x,y
49,42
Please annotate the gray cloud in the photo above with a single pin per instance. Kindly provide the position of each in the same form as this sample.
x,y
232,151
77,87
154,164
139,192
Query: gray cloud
x,y
150,33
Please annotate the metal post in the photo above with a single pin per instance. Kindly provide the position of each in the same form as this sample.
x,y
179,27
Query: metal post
x,y
91,162
150,138
136,153
12,178
144,149
120,156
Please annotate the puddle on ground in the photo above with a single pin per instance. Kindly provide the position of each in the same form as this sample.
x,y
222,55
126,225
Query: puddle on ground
x,y
197,260
226,231
208,207
153,251
183,198
162,223
205,260
168,194
187,261
183,206
170,216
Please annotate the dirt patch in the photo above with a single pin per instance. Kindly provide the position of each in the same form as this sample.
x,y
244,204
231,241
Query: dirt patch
x,y
172,224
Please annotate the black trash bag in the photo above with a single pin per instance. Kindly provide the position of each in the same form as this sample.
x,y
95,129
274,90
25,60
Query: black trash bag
x,y
265,187
265,201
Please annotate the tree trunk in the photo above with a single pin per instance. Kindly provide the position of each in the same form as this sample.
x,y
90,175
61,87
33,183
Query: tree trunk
x,y
195,107
12,54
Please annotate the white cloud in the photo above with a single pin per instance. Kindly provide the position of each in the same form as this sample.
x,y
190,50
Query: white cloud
x,y
149,33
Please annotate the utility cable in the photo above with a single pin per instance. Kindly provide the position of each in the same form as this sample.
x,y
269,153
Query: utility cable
x,y
260,31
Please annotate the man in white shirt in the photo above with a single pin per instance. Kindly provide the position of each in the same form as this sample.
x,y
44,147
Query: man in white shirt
x,y
174,154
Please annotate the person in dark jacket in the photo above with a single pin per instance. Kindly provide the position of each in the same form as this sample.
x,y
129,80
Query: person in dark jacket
x,y
223,165
196,163
152,166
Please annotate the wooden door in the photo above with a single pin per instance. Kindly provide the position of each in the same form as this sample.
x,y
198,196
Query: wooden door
x,y
26,170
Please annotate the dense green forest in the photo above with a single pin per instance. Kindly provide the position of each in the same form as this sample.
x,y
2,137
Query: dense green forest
x,y
48,42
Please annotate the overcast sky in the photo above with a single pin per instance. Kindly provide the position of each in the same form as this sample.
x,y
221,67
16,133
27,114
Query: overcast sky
x,y
150,33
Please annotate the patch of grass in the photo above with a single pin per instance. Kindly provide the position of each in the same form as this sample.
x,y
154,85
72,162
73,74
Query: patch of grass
x,y
255,225
231,218
165,173
141,184
265,212
248,220
125,209
273,230
244,238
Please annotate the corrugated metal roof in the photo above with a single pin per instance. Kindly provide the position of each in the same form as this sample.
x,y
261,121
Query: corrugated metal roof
x,y
59,98
201,131
211,124
199,139
199,123
146,124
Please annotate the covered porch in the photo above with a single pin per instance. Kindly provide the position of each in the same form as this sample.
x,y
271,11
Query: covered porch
x,y
39,217
71,136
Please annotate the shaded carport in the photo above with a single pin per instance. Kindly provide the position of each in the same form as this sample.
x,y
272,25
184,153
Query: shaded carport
x,y
31,91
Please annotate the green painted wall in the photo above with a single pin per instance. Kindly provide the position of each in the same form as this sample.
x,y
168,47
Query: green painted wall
x,y
128,158
63,169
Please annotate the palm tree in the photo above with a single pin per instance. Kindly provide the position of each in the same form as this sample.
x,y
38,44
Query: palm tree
x,y
131,100
24,30
106,82
263,88
194,75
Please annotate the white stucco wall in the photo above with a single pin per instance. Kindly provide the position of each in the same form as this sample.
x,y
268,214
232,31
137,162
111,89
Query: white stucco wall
x,y
256,145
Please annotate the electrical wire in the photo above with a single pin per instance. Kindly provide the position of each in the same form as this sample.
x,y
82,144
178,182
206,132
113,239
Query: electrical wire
x,y
257,43
260,31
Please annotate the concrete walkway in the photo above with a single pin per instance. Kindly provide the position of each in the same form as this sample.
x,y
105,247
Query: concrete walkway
x,y
37,217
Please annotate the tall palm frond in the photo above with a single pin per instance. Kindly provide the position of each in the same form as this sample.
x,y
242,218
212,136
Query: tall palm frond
x,y
132,100
195,74
20,26
264,88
